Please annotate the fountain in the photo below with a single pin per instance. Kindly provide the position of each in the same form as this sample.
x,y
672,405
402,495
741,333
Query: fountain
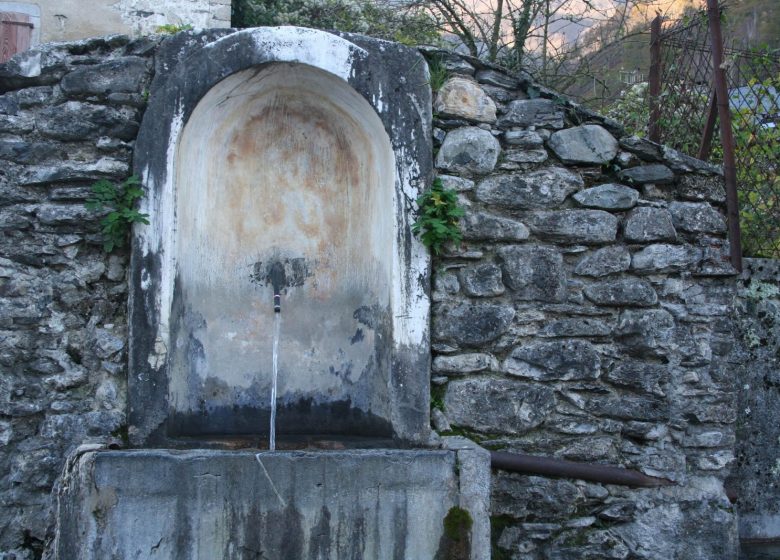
x,y
281,164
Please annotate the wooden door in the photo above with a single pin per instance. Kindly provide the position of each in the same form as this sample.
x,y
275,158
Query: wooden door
x,y
15,34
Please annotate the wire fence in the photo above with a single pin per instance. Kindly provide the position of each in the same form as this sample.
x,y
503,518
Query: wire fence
x,y
686,119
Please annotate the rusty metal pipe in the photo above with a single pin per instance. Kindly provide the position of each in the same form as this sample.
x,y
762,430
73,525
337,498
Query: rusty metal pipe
x,y
547,466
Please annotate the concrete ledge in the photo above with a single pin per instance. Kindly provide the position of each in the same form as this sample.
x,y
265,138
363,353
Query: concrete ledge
x,y
219,504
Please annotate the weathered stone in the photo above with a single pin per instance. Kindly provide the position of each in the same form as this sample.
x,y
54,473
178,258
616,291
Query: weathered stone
x,y
681,162
653,173
710,188
498,79
77,121
126,74
604,261
588,143
439,421
647,331
698,217
461,97
41,65
650,409
576,327
665,258
497,405
482,280
576,226
489,227
523,138
543,188
17,124
35,96
642,147
19,151
558,360
522,496
469,149
623,292
649,224
63,214
464,363
533,272
104,167
533,112
642,377
610,196
471,324
458,184
526,156
618,511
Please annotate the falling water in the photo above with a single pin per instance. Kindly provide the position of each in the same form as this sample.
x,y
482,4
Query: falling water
x,y
272,432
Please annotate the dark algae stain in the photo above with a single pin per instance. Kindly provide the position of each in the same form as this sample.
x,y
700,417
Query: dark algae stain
x,y
455,543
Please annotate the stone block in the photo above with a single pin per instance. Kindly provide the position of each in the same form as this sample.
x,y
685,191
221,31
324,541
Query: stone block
x,y
697,217
559,360
588,144
604,261
454,183
654,173
533,272
523,138
649,224
533,112
471,324
645,331
641,377
623,292
610,196
489,227
482,280
469,149
497,406
525,156
710,188
461,97
122,75
498,79
464,363
665,258
577,326
575,226
543,188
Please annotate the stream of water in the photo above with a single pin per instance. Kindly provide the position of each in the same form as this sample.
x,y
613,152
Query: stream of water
x,y
275,375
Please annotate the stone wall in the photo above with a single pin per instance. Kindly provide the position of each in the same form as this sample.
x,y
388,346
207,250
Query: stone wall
x,y
756,476
68,20
63,312
585,316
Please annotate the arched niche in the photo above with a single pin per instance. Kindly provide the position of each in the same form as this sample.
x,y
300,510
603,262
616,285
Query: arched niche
x,y
291,148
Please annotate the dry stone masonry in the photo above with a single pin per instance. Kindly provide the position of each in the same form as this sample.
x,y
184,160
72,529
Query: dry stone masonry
x,y
586,316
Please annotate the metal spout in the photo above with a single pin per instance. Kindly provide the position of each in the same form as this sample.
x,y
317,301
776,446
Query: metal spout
x,y
278,279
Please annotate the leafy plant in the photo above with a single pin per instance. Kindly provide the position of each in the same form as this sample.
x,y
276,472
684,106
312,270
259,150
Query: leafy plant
x,y
120,199
438,217
172,29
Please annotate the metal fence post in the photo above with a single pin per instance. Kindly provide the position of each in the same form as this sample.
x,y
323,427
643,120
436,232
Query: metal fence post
x,y
654,79
726,134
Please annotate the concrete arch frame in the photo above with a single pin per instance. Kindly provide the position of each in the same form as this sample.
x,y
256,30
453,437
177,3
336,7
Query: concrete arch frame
x,y
392,81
